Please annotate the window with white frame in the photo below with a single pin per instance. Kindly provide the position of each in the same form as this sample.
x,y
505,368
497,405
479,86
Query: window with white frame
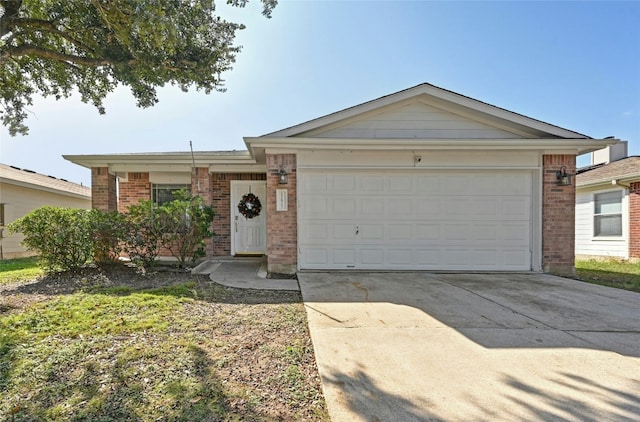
x,y
607,214
163,193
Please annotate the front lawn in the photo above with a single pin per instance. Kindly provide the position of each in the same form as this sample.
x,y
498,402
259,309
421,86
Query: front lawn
x,y
116,345
12,270
612,273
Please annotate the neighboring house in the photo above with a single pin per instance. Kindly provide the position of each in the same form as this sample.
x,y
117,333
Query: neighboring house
x,y
608,205
22,191
422,179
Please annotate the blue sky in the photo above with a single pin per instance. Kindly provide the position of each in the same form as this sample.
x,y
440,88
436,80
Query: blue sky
x,y
573,64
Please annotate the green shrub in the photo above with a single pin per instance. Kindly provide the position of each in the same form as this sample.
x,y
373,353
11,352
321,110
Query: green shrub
x,y
142,239
109,229
63,237
187,223
67,238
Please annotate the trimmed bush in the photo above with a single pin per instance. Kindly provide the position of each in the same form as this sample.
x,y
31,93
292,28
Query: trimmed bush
x,y
63,237
186,222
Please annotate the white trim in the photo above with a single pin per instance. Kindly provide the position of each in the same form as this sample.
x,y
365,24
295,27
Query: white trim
x,y
237,168
535,193
545,145
624,216
537,201
416,168
439,97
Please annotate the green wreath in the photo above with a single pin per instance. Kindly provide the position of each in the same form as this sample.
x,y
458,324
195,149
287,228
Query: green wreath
x,y
250,206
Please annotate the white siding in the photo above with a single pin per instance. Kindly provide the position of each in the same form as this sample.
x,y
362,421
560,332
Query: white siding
x,y
416,120
586,243
20,201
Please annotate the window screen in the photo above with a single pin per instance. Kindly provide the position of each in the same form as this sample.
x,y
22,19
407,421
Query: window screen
x,y
607,214
162,193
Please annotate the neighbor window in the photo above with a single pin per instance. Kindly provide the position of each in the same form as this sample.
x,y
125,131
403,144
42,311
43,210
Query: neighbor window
x,y
607,214
161,194
2,215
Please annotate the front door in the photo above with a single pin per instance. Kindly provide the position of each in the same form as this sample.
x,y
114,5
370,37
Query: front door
x,y
248,231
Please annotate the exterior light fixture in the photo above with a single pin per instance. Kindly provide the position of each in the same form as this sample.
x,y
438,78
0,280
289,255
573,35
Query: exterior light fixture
x,y
283,179
562,177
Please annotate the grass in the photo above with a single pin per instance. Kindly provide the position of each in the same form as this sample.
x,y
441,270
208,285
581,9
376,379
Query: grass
x,y
188,350
612,273
19,269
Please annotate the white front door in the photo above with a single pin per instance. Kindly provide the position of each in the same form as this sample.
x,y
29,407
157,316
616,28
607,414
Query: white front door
x,y
248,235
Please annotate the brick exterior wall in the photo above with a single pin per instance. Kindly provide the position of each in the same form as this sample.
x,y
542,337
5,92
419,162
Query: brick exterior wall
x,y
558,216
103,189
634,221
220,191
137,187
282,226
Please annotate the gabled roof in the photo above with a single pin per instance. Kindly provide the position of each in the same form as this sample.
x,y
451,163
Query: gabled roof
x,y
26,178
445,99
625,170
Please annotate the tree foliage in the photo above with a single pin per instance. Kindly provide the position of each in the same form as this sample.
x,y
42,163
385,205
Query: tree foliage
x,y
51,47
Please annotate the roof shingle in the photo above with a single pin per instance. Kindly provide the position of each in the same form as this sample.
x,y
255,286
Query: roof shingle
x,y
627,169
15,175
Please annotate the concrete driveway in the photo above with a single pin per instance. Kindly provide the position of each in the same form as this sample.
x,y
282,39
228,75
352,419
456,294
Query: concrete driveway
x,y
460,347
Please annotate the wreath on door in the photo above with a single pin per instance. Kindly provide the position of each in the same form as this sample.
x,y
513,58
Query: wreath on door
x,y
250,206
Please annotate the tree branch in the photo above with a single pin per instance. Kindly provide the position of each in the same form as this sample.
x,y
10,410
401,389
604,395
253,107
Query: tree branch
x,y
31,50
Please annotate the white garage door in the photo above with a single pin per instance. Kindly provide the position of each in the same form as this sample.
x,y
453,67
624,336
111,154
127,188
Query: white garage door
x,y
444,220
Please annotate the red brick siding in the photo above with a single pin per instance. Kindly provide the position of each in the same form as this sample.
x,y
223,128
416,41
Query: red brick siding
x,y
634,220
220,191
558,216
282,226
103,189
136,187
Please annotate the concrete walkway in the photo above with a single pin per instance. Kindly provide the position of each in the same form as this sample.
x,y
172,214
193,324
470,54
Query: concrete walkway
x,y
243,273
481,347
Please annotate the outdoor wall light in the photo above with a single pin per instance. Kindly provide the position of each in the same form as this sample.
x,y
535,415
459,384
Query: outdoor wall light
x,y
562,177
283,179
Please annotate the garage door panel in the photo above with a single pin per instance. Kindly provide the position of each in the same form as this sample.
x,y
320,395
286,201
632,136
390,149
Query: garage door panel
x,y
431,207
317,207
428,184
344,256
515,208
400,184
398,207
458,184
399,256
316,256
400,232
372,207
341,183
456,232
429,257
415,220
372,257
318,232
342,231
424,232
486,232
371,232
515,233
372,184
